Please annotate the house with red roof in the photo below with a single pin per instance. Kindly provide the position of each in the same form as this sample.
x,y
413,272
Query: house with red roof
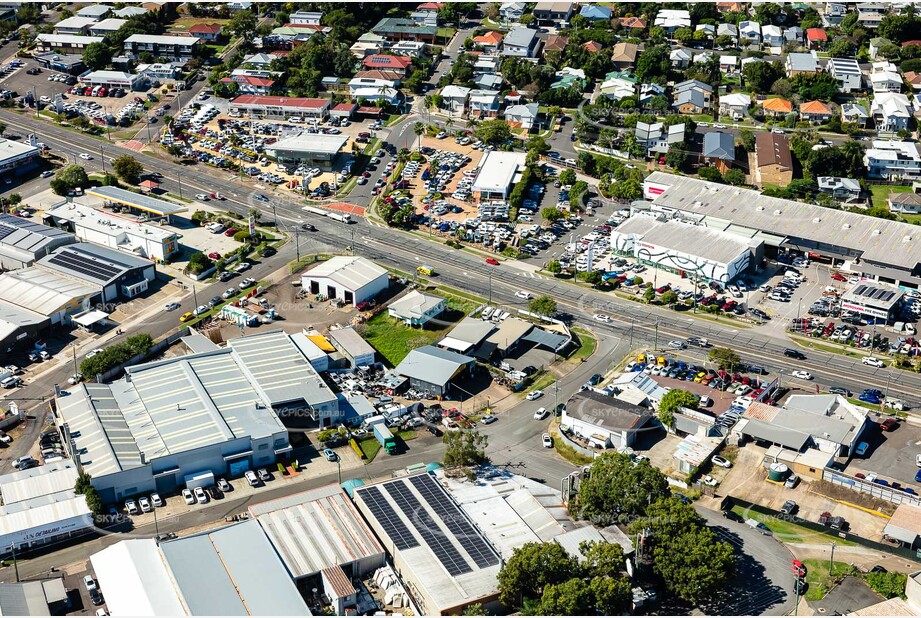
x,y
816,38
490,41
815,112
592,47
250,84
208,32
634,23
384,62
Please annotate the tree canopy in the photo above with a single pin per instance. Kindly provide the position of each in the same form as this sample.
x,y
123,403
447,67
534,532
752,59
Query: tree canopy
x,y
531,568
672,402
465,448
494,131
69,178
725,358
617,486
542,305
128,168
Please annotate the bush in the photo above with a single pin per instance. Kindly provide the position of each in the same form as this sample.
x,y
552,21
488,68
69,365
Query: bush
x,y
199,217
115,355
242,236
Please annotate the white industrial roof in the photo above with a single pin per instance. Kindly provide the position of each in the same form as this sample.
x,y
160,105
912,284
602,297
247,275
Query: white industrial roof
x,y
691,240
497,171
16,521
135,580
69,39
42,291
107,223
311,142
110,25
25,485
316,529
350,272
109,76
75,22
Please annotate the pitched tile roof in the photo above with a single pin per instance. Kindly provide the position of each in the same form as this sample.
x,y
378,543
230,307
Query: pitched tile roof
x,y
490,38
205,29
382,61
633,22
814,107
778,105
592,46
816,34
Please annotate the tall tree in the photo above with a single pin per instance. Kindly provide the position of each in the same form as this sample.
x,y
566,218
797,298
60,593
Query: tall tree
x,y
128,168
616,485
571,598
531,568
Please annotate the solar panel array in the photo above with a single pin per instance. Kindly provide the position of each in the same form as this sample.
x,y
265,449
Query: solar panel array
x,y
469,538
99,271
868,291
390,521
6,230
440,545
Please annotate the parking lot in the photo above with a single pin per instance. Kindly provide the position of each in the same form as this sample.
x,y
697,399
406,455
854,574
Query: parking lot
x,y
892,454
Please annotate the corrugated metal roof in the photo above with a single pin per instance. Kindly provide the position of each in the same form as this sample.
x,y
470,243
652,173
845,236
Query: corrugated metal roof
x,y
41,481
351,272
471,330
339,584
351,342
432,365
42,291
44,514
571,540
30,236
135,581
92,264
136,200
23,599
316,529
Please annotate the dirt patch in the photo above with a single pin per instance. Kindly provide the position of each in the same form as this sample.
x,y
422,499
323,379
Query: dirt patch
x,y
843,494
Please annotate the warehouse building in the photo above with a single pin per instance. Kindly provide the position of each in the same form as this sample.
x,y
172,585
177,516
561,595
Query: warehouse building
x,y
684,249
37,597
877,302
19,327
40,507
317,530
127,235
351,279
227,571
359,352
114,274
444,559
279,108
432,370
497,174
48,294
313,149
23,241
606,422
18,158
416,308
882,250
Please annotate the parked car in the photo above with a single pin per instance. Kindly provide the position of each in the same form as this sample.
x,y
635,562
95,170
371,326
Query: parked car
x,y
861,449
200,495
264,475
542,413
156,500
489,419
721,461
131,507
330,454
223,485
535,395
788,508
547,441
890,424
251,478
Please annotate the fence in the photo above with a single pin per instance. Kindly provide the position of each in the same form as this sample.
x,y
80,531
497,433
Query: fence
x,y
898,550
882,492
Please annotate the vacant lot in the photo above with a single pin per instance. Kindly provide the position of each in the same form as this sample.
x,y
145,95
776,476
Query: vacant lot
x,y
394,340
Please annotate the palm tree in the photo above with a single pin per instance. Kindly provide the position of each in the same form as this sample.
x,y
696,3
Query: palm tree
x,y
419,129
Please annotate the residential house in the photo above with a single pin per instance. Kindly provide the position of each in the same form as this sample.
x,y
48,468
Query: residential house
x,y
595,12
74,25
680,58
800,64
368,44
913,79
490,41
95,11
512,11
648,92
815,112
487,65
490,81
523,116
719,150
816,38
592,47
729,30
885,77
520,43
793,34
484,103
891,160
891,111
833,13
425,18
692,96
235,7
854,112
375,89
410,49
169,46
730,7
750,30
773,160
870,14
875,44
847,72
637,24
672,19
657,138
305,18
556,43
569,78
704,56
735,105
842,189
107,27
206,32
454,99
747,61
776,107
904,203
708,29
553,12
772,36
624,55
729,64
397,29
618,85
416,308
248,83
386,62
129,11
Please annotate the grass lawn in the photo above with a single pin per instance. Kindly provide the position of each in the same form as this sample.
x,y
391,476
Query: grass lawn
x,y
881,193
370,447
818,345
588,344
543,381
789,532
565,451
394,340
184,23
446,33
820,579
406,436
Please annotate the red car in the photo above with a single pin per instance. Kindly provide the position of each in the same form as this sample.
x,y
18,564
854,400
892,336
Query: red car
x,y
214,255
838,277
231,231
890,424
492,261
662,290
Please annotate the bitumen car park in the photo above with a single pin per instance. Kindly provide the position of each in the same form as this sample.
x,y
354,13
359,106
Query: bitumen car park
x,y
892,455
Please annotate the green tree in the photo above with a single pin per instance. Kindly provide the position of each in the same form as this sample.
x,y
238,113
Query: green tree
x,y
693,563
128,169
734,177
842,48
84,487
710,174
649,295
613,595
672,402
748,140
669,298
616,485
567,177
602,559
476,609
767,13
571,598
242,25
97,55
465,448
676,156
531,568
419,130
725,358
542,305
629,189
494,131
551,214
889,585
683,35
653,64
554,267
69,178
759,76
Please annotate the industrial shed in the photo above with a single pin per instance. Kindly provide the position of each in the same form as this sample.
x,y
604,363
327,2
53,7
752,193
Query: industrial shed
x,y
22,241
430,369
351,279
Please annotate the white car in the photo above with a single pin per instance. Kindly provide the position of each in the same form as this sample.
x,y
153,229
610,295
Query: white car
x,y
803,375
602,317
85,156
228,293
171,306
200,495
546,440
677,344
93,353
156,500
202,197
188,497
241,267
145,504
523,294
709,480
132,507
535,395
540,414
721,461
872,361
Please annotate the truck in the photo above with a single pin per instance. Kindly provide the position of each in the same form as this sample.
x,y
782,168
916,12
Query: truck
x,y
384,436
343,217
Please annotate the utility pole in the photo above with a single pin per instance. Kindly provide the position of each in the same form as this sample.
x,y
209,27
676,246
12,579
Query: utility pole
x,y
15,564
73,347
556,397
831,559
656,342
631,333
194,295
102,157
179,180
297,244
490,288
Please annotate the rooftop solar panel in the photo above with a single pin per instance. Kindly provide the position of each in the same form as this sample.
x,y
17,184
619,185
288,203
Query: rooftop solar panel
x,y
440,545
390,521
860,289
96,270
472,542
6,230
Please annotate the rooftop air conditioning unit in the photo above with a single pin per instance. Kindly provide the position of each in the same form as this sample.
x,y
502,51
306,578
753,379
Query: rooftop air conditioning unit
x,y
777,212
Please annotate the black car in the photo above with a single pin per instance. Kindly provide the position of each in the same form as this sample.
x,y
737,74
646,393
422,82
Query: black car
x,y
839,390
434,430
800,586
790,353
758,313
308,227
733,516
268,252
215,300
